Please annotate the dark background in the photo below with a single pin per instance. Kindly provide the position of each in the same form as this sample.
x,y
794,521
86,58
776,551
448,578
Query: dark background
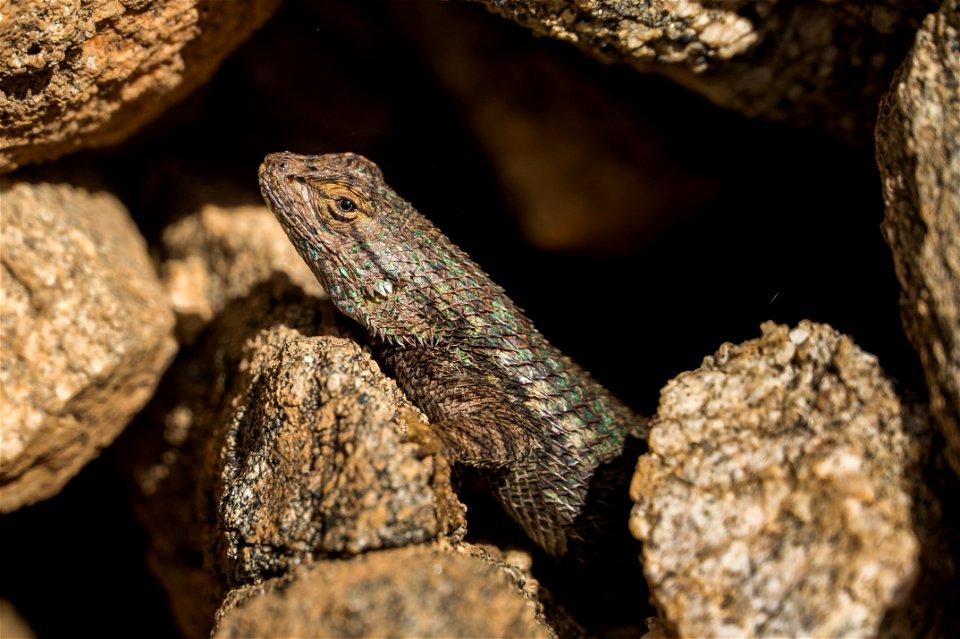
x,y
787,230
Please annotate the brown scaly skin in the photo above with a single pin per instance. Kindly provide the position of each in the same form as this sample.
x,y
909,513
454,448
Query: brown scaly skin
x,y
501,398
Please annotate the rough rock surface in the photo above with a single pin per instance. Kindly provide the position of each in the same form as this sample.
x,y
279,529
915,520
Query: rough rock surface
x,y
85,328
918,152
315,460
407,592
219,254
167,451
775,498
824,63
80,73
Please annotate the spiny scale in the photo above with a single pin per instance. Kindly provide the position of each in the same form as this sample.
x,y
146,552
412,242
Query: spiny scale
x,y
549,438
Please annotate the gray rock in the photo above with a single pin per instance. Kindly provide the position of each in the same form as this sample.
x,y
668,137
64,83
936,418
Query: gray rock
x,y
776,496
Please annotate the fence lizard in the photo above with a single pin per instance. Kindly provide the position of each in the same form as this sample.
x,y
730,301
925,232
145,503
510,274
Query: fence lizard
x,y
548,439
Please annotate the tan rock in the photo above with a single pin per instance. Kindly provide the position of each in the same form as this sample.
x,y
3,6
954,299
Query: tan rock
x,y
85,327
776,496
918,152
76,74
407,592
823,63
219,255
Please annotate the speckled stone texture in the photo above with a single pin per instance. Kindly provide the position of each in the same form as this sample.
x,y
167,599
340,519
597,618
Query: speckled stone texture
x,y
821,63
85,328
775,499
315,460
82,73
407,592
918,153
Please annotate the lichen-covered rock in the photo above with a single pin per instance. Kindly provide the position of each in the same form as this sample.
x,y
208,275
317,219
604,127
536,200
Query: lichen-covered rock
x,y
918,153
315,460
167,451
85,328
219,254
406,592
775,498
86,73
824,63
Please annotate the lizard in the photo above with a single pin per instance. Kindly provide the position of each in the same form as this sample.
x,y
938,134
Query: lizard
x,y
548,439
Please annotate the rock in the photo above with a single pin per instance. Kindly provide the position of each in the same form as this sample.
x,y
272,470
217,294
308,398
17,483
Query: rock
x,y
315,460
822,63
407,592
776,496
77,74
218,255
918,153
85,328
170,451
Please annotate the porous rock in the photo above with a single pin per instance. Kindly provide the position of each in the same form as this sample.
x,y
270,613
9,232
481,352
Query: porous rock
x,y
85,328
918,153
406,592
775,498
823,63
82,73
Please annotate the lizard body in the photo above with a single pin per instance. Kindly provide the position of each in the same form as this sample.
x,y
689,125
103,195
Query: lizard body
x,y
499,396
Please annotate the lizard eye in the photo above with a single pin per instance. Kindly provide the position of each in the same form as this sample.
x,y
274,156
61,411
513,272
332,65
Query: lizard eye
x,y
344,209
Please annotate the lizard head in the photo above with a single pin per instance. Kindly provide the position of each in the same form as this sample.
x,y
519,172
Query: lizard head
x,y
383,264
